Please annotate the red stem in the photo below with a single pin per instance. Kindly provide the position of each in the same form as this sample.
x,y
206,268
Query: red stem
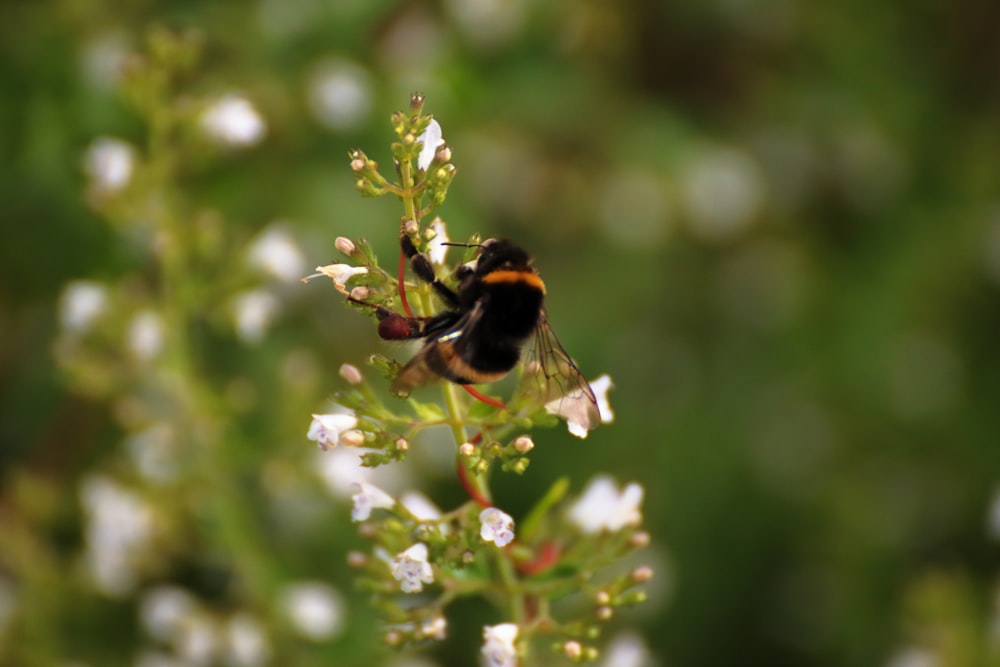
x,y
470,488
488,400
402,284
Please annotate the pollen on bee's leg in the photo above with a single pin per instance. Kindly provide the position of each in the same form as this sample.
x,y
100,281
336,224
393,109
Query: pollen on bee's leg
x,y
394,327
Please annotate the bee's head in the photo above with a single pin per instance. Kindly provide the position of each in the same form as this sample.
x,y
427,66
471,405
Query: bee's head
x,y
501,254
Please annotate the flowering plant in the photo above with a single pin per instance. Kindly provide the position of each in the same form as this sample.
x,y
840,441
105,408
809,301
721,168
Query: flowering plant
x,y
561,547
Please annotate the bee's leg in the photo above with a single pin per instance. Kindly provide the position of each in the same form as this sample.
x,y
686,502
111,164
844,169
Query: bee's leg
x,y
423,270
393,326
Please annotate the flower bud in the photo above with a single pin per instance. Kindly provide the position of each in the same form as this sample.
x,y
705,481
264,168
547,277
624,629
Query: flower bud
x,y
351,374
345,245
352,439
467,449
416,103
357,559
604,613
411,227
360,293
602,598
572,649
641,574
402,445
523,444
639,540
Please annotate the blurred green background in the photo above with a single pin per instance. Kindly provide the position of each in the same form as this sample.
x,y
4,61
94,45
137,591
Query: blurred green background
x,y
775,224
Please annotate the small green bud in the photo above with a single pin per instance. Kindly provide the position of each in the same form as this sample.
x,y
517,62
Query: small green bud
x,y
416,103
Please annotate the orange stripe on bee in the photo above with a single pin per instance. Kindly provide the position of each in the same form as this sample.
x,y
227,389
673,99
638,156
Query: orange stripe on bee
x,y
526,277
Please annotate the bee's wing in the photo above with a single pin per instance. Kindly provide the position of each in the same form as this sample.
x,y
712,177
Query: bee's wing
x,y
427,365
551,378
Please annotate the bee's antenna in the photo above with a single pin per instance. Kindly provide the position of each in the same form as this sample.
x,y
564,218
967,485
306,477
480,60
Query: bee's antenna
x,y
463,245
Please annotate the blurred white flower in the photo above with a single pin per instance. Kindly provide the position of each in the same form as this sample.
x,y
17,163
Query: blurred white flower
x,y
8,603
369,497
411,569
497,526
912,656
603,507
156,659
315,609
420,506
430,139
488,23
577,409
163,609
276,252
233,121
247,644
626,650
103,60
327,429
151,451
436,250
197,641
340,468
145,335
253,312
633,209
993,520
498,645
340,95
723,189
81,304
119,528
109,163
435,628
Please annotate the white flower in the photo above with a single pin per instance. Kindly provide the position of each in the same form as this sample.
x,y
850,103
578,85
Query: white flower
x,y
431,139
368,497
233,121
120,526
253,312
436,249
81,304
327,429
420,506
602,507
340,95
109,163
411,569
277,253
626,650
197,641
579,413
435,628
341,273
601,386
163,609
247,644
993,519
498,645
497,527
145,335
315,609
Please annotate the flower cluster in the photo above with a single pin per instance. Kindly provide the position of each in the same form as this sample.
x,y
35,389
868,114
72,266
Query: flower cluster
x,y
422,557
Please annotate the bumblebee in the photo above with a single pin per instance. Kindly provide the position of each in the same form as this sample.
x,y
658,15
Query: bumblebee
x,y
496,316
